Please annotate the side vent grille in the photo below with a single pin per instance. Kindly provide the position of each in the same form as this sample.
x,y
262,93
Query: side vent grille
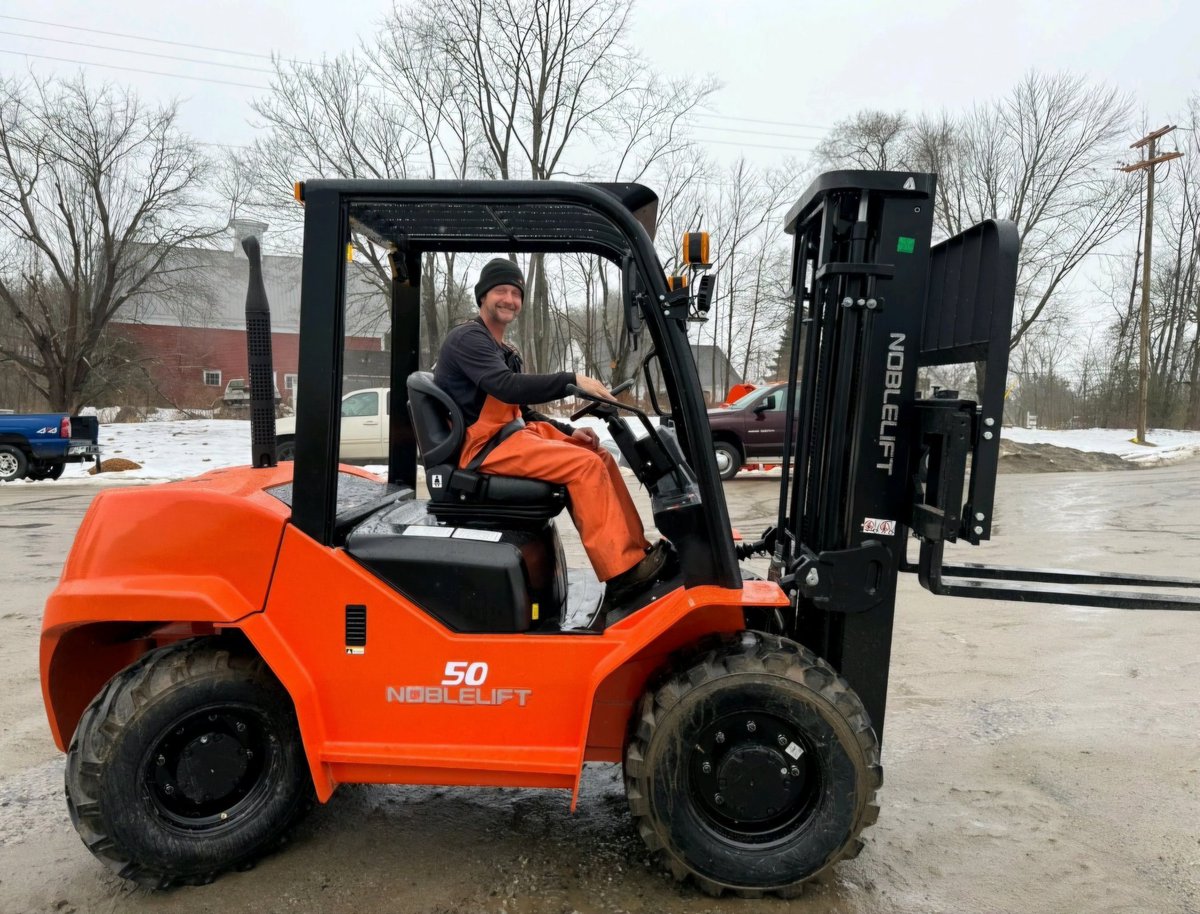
x,y
356,629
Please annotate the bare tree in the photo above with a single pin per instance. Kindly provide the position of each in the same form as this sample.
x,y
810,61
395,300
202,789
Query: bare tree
x,y
869,139
1043,158
97,194
514,89
327,120
435,107
751,266
932,144
547,80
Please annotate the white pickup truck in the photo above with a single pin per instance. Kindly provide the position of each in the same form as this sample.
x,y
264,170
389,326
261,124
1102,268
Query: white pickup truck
x,y
365,417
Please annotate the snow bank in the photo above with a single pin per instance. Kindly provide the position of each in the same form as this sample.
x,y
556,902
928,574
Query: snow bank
x,y
1167,445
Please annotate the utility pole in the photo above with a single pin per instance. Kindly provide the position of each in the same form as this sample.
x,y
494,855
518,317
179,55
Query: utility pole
x,y
1148,142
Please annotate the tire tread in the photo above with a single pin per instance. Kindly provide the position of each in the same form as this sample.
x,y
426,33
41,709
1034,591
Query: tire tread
x,y
747,652
102,724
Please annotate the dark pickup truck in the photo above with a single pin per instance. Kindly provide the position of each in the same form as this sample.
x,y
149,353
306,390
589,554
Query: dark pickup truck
x,y
748,429
40,445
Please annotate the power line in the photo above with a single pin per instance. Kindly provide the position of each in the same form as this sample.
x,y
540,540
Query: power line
x,y
106,47
180,44
113,66
261,56
756,120
743,130
792,149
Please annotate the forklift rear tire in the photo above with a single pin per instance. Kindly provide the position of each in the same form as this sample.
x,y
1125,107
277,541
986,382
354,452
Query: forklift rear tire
x,y
188,763
729,459
753,769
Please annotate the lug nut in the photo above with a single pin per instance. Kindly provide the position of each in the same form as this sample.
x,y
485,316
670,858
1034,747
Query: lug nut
x,y
782,740
168,789
720,736
783,771
719,800
161,760
203,740
241,727
751,726
706,768
795,772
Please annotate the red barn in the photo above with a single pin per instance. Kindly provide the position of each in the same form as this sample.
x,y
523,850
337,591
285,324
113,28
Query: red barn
x,y
194,337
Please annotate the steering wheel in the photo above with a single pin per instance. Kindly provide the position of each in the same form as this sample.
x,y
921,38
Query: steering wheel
x,y
596,402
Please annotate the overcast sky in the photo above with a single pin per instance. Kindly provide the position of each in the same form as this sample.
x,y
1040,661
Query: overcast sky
x,y
790,69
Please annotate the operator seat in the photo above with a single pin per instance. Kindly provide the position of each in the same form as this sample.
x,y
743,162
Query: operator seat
x,y
461,494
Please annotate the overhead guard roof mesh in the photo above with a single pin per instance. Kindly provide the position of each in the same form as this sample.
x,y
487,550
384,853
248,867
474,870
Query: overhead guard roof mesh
x,y
448,225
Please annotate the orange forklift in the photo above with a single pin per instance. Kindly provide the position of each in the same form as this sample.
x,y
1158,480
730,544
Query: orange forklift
x,y
222,650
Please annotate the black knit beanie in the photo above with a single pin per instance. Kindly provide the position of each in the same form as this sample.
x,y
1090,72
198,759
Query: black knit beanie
x,y
498,272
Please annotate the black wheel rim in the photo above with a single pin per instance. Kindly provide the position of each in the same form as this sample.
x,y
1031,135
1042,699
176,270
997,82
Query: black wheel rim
x,y
754,777
212,767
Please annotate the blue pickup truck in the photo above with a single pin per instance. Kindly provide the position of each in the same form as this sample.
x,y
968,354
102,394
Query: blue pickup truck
x,y
40,445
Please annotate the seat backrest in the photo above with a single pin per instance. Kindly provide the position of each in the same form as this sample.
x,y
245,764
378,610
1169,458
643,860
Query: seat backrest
x,y
437,420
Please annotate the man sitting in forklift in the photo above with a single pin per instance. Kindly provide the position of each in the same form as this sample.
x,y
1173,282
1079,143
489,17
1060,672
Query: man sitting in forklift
x,y
482,374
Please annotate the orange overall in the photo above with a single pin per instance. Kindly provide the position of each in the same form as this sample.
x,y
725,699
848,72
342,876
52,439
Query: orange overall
x,y
601,507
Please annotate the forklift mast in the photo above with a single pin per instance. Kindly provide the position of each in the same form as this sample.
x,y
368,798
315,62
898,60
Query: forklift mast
x,y
867,462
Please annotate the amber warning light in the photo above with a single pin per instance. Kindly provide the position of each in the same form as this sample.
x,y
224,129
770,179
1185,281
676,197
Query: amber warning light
x,y
695,249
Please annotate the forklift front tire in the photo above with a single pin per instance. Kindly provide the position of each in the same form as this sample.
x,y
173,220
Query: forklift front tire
x,y
188,763
285,449
754,769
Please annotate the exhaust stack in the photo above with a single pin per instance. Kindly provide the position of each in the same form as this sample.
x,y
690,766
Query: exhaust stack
x,y
258,353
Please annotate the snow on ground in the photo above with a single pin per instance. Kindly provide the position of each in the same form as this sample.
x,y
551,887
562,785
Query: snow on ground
x,y
173,449
177,449
1169,445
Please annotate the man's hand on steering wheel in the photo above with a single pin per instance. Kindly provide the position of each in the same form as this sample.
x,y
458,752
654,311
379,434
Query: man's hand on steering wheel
x,y
594,394
593,387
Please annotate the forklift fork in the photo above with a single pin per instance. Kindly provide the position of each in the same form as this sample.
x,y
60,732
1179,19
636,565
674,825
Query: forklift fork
x,y
957,442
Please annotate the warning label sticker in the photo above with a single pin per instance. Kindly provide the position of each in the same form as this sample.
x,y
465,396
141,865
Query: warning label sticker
x,y
879,526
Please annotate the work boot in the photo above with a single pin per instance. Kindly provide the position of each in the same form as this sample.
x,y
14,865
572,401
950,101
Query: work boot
x,y
640,576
